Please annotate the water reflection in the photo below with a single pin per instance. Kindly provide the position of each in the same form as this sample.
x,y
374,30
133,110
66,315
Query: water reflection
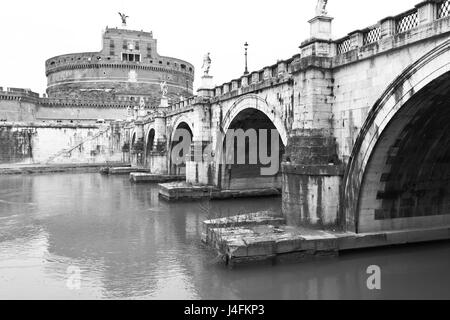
x,y
129,244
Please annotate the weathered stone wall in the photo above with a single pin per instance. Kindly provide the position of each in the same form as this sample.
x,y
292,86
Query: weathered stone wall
x,y
79,113
18,104
13,110
311,195
29,143
40,110
16,144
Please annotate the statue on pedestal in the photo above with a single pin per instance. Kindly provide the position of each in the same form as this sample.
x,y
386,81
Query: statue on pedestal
x,y
206,64
142,103
164,89
321,8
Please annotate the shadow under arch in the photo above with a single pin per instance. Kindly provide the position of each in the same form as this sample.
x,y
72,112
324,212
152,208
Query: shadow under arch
x,y
177,162
233,175
150,142
254,101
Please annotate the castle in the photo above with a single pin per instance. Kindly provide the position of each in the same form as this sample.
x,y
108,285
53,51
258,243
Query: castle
x,y
85,87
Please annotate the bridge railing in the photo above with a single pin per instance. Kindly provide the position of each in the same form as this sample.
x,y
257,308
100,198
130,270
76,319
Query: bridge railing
x,y
344,45
270,73
407,21
424,12
443,9
372,34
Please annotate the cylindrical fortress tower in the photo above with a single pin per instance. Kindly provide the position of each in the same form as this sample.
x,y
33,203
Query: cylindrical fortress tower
x,y
128,68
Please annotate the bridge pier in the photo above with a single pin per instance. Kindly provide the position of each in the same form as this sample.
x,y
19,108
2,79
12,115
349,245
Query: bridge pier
x,y
312,177
312,171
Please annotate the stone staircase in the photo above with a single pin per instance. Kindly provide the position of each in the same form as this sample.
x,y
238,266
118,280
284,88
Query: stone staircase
x,y
69,150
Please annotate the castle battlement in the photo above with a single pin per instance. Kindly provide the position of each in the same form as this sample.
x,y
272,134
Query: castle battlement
x,y
18,94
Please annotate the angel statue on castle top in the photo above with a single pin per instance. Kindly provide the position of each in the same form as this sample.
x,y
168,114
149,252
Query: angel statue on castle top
x,y
124,18
321,8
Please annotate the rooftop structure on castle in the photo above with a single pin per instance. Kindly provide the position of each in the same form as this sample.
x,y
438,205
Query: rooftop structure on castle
x,y
127,68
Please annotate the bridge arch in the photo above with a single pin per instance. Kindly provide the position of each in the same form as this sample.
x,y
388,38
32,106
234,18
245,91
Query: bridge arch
x,y
133,138
397,174
183,118
251,112
255,102
177,162
150,140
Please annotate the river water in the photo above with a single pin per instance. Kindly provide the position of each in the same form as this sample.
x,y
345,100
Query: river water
x,y
87,236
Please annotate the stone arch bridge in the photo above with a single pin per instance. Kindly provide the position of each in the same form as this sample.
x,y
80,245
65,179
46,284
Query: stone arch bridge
x,y
363,124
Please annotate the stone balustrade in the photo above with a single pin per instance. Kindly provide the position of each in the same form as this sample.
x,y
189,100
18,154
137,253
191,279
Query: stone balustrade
x,y
425,12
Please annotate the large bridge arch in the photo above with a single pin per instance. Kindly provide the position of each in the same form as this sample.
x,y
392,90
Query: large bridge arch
x,y
385,186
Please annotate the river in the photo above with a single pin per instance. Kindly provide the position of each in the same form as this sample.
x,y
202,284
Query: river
x,y
120,241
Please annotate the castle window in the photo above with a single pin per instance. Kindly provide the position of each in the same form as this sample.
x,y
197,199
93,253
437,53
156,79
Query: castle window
x,y
125,45
131,57
136,45
111,48
183,66
149,51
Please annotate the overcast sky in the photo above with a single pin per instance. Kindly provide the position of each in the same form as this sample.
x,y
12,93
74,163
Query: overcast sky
x,y
33,31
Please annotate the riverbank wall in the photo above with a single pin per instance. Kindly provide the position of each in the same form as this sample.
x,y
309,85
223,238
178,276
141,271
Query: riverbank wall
x,y
48,144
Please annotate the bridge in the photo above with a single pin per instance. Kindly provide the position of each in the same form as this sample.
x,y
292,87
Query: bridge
x,y
363,124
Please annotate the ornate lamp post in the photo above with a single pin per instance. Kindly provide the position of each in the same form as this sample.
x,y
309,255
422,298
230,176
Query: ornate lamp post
x,y
246,68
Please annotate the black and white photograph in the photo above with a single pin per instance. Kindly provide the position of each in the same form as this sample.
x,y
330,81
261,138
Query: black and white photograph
x,y
237,152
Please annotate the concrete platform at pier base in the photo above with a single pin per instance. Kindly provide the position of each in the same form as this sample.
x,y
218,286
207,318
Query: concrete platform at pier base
x,y
140,177
247,193
126,170
184,191
263,237
174,191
